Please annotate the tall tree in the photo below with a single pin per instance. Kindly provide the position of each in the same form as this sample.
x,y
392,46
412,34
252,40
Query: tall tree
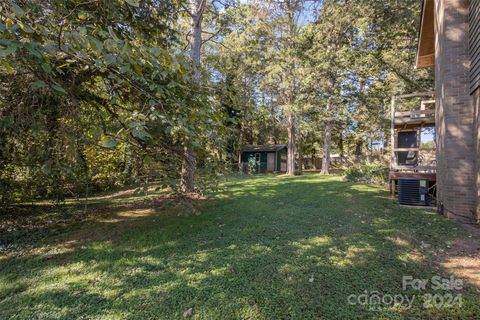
x,y
197,8
329,59
105,79
283,67
238,66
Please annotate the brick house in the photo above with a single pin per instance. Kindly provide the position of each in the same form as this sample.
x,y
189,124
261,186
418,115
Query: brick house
x,y
449,41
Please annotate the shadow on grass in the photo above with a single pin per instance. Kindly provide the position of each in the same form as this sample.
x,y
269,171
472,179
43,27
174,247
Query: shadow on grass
x,y
26,225
266,248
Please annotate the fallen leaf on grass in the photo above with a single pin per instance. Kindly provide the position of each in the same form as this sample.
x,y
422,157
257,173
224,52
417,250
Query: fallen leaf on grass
x,y
188,313
425,245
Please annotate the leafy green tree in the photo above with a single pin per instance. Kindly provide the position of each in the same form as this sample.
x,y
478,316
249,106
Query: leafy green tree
x,y
236,61
104,74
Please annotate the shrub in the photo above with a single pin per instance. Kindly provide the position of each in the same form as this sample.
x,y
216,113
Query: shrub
x,y
252,165
369,172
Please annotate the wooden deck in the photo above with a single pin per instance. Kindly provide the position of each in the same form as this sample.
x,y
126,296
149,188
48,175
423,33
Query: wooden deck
x,y
429,169
406,122
430,176
394,176
417,118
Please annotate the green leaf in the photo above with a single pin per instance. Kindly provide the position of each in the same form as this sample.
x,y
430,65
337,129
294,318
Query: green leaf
x,y
156,51
82,15
38,84
8,67
82,31
46,67
33,51
8,50
17,11
96,44
112,33
9,23
133,3
141,133
125,68
137,69
46,168
147,159
58,88
108,142
135,124
110,59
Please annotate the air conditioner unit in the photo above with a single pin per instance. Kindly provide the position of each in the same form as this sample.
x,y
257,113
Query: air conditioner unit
x,y
413,192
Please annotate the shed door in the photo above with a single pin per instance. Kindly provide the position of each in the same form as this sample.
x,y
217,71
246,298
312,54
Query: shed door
x,y
283,163
270,162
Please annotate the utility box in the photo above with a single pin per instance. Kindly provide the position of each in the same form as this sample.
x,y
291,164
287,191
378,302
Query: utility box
x,y
413,192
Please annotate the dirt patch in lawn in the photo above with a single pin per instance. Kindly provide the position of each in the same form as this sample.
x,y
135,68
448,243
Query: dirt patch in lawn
x,y
462,259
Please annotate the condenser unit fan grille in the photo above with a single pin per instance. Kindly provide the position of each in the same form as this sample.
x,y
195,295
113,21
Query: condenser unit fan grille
x,y
413,192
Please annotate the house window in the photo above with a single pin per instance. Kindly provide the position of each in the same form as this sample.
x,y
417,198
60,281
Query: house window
x,y
474,45
257,157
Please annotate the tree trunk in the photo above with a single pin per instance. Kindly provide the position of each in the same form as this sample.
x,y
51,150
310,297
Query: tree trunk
x,y
196,7
187,182
358,149
291,7
291,144
341,147
327,140
359,140
300,142
327,146
300,153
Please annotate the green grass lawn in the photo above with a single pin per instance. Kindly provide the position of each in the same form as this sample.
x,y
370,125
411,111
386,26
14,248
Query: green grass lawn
x,y
266,247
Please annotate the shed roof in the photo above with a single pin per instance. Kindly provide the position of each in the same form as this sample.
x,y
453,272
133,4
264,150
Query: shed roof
x,y
263,148
426,36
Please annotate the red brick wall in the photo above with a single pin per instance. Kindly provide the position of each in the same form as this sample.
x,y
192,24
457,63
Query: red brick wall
x,y
456,153
476,104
